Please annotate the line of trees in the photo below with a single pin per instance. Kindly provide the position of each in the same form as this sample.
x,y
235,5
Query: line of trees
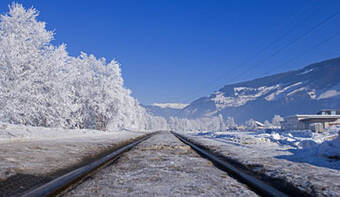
x,y
41,85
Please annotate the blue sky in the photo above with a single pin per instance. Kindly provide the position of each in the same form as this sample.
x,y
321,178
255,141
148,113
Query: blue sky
x,y
177,51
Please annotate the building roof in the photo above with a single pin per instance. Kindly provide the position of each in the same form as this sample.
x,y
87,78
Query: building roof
x,y
312,116
258,123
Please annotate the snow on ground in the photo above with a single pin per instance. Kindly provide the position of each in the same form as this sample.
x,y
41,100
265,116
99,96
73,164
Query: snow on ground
x,y
320,149
43,151
13,133
308,160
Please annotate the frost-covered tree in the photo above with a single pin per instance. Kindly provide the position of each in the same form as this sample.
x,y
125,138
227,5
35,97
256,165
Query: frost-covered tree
x,y
27,67
251,124
222,125
230,123
267,124
41,85
276,121
215,123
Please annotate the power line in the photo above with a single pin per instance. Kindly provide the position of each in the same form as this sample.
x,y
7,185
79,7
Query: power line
x,y
260,51
315,27
313,47
307,33
324,21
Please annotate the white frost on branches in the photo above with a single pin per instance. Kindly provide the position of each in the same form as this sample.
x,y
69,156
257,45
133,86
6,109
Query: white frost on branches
x,y
276,121
41,85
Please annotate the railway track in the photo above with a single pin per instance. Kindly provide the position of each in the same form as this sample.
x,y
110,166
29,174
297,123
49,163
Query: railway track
x,y
62,184
257,185
160,164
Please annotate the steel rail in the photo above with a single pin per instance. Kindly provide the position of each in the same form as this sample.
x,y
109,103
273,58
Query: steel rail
x,y
73,178
257,185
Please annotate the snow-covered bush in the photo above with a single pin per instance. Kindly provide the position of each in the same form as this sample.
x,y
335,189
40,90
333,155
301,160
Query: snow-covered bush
x,y
41,85
276,121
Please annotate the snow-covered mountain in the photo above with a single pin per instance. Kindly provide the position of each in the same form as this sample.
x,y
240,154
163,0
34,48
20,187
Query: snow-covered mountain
x,y
165,109
306,90
170,105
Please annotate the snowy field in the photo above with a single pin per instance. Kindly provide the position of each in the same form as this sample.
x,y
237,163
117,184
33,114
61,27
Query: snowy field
x,y
44,151
309,161
320,149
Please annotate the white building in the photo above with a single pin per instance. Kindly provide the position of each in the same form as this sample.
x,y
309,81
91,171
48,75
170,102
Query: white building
x,y
318,122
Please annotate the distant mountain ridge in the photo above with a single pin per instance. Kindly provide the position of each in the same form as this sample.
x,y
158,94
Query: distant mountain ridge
x,y
306,90
165,110
170,105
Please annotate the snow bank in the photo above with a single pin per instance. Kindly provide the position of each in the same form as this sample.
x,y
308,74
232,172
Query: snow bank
x,y
325,144
286,165
330,149
42,151
13,133
321,149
